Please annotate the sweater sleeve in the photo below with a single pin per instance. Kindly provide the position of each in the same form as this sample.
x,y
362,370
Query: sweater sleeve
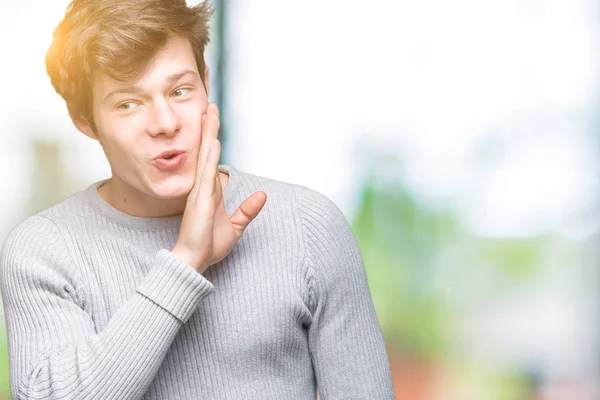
x,y
54,349
344,336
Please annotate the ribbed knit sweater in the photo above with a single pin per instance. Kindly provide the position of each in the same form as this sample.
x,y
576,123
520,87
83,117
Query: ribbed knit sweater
x,y
97,307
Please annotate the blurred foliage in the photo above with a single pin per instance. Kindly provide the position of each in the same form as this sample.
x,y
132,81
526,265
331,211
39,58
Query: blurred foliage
x,y
4,372
410,252
399,239
427,273
479,381
517,258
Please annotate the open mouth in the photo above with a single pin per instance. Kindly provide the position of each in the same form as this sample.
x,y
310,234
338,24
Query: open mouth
x,y
170,162
172,155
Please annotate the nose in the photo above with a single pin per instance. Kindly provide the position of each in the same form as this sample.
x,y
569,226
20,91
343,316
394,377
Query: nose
x,y
163,119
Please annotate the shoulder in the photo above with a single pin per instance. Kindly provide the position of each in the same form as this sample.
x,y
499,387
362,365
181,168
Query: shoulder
x,y
323,220
275,189
72,209
60,214
309,204
36,235
36,227
45,225
35,250
329,241
319,217
317,206
332,253
34,258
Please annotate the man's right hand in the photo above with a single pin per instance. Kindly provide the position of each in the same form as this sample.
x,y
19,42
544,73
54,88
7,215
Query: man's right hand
x,y
207,234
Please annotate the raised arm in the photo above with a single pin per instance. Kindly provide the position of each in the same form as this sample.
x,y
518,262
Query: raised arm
x,y
345,340
54,349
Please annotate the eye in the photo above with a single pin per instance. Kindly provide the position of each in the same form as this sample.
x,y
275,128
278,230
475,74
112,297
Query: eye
x,y
180,92
127,106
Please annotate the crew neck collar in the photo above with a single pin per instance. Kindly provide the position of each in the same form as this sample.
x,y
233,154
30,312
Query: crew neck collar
x,y
92,195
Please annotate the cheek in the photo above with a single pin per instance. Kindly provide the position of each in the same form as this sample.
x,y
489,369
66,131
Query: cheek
x,y
191,122
117,143
120,155
123,132
191,111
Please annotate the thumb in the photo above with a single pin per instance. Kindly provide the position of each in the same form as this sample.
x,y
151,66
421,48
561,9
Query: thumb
x,y
247,211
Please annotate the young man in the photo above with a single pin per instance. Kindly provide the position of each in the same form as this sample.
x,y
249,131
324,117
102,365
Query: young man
x,y
153,284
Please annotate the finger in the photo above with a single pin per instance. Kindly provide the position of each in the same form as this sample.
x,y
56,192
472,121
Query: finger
x,y
210,128
212,121
218,185
247,211
207,183
204,144
202,152
217,119
205,138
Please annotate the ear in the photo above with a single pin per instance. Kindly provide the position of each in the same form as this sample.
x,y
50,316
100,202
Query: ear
x,y
207,80
82,125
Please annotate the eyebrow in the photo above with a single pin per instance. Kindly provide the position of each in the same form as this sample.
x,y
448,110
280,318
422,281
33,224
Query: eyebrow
x,y
169,79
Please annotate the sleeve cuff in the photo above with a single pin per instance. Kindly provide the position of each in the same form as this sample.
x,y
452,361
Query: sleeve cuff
x,y
175,286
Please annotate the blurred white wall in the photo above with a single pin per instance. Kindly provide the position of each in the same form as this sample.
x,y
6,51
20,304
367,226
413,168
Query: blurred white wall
x,y
427,80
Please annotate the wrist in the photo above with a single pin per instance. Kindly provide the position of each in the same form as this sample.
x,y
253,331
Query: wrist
x,y
183,257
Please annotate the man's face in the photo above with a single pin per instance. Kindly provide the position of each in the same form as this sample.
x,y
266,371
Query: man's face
x,y
160,111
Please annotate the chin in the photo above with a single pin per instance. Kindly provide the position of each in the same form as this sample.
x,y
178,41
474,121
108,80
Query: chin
x,y
173,188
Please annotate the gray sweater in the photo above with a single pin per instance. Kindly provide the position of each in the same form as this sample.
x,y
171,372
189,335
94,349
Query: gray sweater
x,y
97,307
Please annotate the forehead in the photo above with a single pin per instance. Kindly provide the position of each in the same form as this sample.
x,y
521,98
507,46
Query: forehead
x,y
177,55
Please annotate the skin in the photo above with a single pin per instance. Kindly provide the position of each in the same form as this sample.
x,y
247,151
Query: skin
x,y
133,127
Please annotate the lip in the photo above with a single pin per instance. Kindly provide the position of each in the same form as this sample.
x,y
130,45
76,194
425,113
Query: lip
x,y
171,164
167,153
